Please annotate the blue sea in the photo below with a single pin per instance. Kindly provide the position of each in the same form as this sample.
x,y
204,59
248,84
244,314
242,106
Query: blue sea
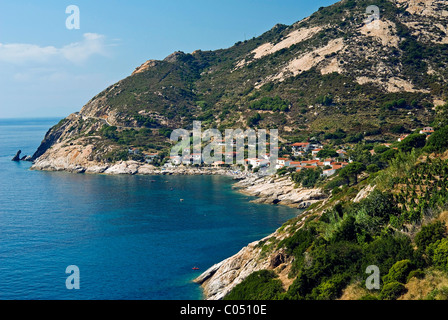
x,y
130,236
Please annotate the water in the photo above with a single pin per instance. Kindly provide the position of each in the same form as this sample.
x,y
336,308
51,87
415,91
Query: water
x,y
130,237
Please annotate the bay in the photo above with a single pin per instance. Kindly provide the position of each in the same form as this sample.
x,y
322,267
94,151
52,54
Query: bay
x,y
130,236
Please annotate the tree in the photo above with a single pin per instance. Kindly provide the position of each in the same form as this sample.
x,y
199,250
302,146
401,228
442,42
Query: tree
x,y
327,153
352,171
414,141
438,141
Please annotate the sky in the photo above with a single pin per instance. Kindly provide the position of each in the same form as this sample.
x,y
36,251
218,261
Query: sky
x,y
50,66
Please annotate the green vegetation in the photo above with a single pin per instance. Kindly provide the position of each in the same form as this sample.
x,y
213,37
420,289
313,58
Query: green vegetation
x,y
272,104
261,285
333,251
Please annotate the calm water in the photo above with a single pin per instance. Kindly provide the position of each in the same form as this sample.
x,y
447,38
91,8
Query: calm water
x,y
131,238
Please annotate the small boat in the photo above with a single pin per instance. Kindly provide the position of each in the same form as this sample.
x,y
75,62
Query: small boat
x,y
181,200
195,268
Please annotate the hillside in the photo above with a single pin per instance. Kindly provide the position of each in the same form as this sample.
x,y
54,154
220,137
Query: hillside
x,y
329,71
393,219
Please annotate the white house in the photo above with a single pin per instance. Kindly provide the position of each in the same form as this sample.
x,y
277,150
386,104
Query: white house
x,y
177,160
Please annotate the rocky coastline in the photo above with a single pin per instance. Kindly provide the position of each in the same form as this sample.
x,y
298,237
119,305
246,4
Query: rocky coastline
x,y
222,277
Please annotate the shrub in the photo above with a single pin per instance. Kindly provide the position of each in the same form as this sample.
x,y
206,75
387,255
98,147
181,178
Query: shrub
x,y
328,261
440,258
399,272
372,168
380,204
386,250
331,288
413,141
438,141
430,234
260,285
392,290
419,274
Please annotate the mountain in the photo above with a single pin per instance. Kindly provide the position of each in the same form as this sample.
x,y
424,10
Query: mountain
x,y
329,71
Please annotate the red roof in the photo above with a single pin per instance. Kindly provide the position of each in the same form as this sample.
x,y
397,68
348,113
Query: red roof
x,y
301,144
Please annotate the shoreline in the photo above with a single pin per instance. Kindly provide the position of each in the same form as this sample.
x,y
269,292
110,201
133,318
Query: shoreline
x,y
219,279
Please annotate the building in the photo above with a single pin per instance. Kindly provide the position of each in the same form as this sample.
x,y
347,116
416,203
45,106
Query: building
x,y
176,160
341,153
149,157
300,147
427,131
315,152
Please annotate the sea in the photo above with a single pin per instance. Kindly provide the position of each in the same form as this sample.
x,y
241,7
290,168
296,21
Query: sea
x,y
130,237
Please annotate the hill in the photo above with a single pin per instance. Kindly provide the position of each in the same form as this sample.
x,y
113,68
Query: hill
x,y
329,71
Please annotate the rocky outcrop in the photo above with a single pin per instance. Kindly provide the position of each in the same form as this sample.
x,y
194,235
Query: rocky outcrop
x,y
17,156
221,278
279,190
364,193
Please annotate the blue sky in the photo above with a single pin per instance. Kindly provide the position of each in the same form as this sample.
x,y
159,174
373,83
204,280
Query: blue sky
x,y
48,70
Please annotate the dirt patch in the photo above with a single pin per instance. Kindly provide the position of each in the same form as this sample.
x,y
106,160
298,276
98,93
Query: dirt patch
x,y
384,30
293,38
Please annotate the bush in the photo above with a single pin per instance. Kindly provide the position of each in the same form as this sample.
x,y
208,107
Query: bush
x,y
380,204
438,141
386,250
419,274
331,288
268,103
372,168
392,291
413,141
440,258
260,285
399,272
430,234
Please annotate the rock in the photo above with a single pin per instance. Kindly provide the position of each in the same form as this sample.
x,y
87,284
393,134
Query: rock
x,y
277,259
23,158
364,193
17,156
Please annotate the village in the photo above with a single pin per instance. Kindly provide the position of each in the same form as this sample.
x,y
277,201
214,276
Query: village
x,y
293,157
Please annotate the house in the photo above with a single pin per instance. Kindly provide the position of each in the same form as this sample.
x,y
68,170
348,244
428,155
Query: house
x,y
300,146
149,157
176,160
310,163
197,157
315,152
218,164
134,151
427,131
187,160
255,163
341,153
295,164
328,162
281,161
329,172
402,137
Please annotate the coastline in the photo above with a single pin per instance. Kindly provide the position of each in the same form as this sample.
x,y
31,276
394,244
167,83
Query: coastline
x,y
218,280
